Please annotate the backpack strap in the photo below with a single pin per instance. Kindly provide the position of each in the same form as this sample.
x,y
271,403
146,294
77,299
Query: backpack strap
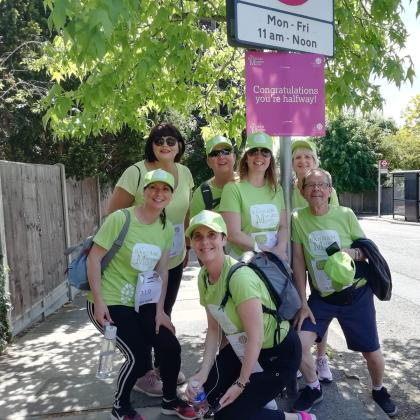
x,y
209,202
231,272
117,243
138,182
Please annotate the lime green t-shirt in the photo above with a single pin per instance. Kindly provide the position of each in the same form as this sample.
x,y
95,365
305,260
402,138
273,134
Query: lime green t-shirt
x,y
176,209
259,207
316,233
298,201
244,285
197,202
141,251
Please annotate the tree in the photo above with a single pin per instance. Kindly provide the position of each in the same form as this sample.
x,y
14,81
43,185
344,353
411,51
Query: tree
x,y
137,58
351,149
402,149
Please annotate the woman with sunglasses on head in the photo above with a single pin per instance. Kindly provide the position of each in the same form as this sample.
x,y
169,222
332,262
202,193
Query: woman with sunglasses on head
x,y
253,208
144,254
164,149
235,389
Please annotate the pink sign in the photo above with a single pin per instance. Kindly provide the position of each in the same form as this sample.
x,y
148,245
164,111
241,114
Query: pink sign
x,y
285,93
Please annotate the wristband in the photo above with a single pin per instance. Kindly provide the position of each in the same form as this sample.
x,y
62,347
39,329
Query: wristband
x,y
240,384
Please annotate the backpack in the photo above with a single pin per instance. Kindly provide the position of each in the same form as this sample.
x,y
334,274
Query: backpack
x,y
209,202
77,269
277,277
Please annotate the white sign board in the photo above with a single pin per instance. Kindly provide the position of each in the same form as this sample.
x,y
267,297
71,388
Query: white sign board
x,y
275,25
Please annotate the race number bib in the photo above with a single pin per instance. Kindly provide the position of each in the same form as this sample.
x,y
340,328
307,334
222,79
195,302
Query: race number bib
x,y
178,242
238,341
148,290
268,238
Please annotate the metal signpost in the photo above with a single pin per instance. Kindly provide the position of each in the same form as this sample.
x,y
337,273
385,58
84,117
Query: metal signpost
x,y
382,169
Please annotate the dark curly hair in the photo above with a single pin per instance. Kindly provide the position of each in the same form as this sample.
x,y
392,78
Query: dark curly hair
x,y
162,130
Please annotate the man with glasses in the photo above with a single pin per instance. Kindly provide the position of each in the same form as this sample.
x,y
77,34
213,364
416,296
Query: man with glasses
x,y
221,160
322,237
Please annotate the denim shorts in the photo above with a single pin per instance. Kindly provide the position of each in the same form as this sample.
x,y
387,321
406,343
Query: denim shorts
x,y
358,320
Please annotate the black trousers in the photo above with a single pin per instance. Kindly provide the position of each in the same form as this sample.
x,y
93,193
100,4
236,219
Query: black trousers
x,y
135,334
280,365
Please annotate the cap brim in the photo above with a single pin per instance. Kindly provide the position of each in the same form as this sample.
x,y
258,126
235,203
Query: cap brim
x,y
303,144
212,226
222,143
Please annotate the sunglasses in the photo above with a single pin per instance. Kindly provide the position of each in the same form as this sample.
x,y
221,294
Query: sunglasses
x,y
264,152
221,152
169,140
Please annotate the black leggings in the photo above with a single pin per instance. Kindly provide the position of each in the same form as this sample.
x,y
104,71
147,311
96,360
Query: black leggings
x,y
174,281
280,365
135,333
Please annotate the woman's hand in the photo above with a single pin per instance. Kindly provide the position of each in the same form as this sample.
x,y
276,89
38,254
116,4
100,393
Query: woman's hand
x,y
304,312
199,378
102,313
162,319
230,395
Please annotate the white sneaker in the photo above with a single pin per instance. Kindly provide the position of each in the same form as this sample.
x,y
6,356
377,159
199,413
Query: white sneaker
x,y
271,405
324,372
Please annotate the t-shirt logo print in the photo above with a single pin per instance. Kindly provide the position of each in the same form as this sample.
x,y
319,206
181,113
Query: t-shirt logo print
x,y
144,257
127,293
264,216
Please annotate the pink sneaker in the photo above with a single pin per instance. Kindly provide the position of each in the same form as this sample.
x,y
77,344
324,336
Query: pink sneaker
x,y
149,384
303,415
324,372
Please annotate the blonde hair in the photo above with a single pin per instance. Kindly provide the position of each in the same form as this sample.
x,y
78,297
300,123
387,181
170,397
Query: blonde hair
x,y
310,152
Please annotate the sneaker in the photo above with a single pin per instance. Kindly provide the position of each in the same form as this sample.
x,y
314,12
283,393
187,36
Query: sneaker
x,y
178,407
383,399
324,372
149,384
125,413
179,381
307,399
303,415
272,405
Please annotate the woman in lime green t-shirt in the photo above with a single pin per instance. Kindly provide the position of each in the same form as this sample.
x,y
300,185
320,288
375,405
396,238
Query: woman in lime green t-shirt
x,y
253,208
144,255
164,149
242,378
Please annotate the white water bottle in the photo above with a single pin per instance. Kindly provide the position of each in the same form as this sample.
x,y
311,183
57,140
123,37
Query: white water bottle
x,y
106,356
199,402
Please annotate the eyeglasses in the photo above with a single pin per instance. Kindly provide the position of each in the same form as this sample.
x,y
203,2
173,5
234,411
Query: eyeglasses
x,y
221,152
317,184
264,152
169,140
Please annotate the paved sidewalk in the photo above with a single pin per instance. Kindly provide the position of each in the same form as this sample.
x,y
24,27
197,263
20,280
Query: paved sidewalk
x,y
49,373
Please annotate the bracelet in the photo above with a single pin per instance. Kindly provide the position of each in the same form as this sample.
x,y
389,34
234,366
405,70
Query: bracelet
x,y
240,384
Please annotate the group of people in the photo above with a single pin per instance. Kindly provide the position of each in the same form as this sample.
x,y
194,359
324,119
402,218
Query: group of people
x,y
244,366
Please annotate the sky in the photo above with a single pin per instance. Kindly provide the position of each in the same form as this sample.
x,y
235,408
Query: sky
x,y
397,99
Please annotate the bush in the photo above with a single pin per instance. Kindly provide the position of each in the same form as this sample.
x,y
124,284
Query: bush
x,y
5,334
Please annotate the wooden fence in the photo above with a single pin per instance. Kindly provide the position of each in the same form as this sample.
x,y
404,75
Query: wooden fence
x,y
41,213
367,201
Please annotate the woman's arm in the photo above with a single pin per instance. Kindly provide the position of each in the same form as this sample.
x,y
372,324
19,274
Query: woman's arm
x,y
282,237
94,274
161,317
251,315
120,199
235,234
213,338
300,283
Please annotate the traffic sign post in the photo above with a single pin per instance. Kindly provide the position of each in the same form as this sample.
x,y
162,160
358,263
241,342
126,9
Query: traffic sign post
x,y
382,169
301,26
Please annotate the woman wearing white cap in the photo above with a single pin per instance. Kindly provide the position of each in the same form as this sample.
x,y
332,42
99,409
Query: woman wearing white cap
x,y
143,254
253,208
163,150
304,158
235,389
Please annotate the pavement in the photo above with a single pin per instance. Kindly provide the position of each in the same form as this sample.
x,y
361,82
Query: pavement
x,y
49,372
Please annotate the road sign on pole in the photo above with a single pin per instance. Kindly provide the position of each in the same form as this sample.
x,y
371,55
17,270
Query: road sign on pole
x,y
293,25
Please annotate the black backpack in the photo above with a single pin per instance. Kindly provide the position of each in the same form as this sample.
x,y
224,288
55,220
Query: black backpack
x,y
277,276
209,202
